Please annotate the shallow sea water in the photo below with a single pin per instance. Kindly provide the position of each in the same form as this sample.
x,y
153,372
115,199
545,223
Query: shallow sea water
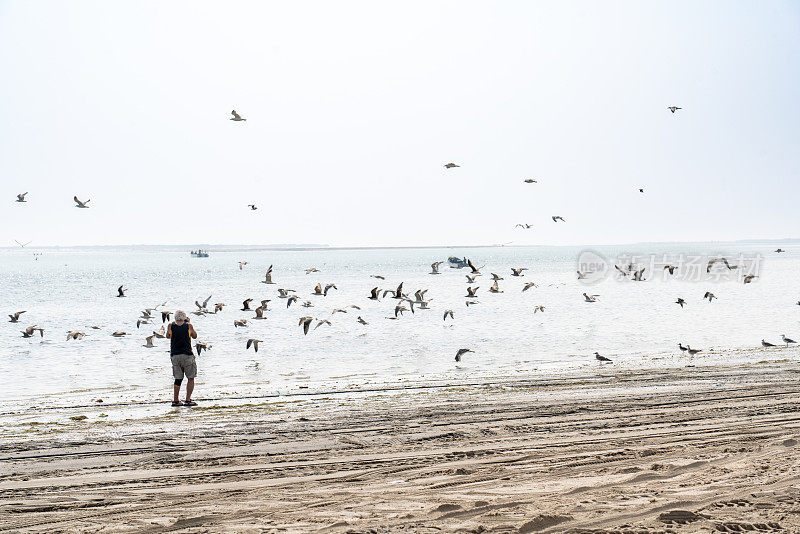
x,y
637,324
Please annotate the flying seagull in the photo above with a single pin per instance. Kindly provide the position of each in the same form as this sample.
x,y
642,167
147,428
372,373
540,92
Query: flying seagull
x,y
590,298
680,301
21,197
28,332
461,352
710,296
268,277
451,165
15,316
435,267
749,278
673,108
557,218
524,226
236,117
121,291
450,313
252,207
73,334
305,322
538,309
254,343
149,340
529,181
472,292
79,204
517,271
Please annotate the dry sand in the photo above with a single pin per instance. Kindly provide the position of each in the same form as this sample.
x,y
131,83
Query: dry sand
x,y
683,451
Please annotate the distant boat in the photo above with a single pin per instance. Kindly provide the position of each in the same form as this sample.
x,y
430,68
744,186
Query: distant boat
x,y
199,253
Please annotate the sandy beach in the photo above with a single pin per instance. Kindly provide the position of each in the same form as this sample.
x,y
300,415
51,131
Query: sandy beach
x,y
699,449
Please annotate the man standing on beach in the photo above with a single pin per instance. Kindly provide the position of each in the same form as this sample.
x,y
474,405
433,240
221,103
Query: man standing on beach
x,y
180,334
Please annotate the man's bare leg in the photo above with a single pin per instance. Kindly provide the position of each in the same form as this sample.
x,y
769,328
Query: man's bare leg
x,y
176,388
189,389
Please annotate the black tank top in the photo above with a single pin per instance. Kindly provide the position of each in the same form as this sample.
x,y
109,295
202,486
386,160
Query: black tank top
x,y
180,342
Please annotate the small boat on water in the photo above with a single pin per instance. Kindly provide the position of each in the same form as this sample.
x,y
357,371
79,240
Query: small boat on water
x,y
457,263
199,253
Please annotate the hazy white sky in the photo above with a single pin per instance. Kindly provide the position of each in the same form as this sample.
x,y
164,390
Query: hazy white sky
x,y
354,107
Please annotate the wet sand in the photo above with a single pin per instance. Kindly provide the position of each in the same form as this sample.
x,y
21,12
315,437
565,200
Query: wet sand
x,y
699,449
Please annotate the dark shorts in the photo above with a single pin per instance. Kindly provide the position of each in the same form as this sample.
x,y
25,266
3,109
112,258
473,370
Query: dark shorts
x,y
183,364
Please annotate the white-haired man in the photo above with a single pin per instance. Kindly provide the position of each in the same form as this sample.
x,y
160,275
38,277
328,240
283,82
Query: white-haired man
x,y
180,334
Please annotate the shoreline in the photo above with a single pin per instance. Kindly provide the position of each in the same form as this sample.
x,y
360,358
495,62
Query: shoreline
x,y
664,451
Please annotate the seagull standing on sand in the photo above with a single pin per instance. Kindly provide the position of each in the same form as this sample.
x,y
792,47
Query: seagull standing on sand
x,y
692,351
766,344
787,340
79,204
600,358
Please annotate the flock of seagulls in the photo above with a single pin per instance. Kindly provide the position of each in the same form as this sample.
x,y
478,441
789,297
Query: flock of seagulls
x,y
405,301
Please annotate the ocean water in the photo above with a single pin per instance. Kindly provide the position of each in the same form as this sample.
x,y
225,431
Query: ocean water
x,y
636,324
